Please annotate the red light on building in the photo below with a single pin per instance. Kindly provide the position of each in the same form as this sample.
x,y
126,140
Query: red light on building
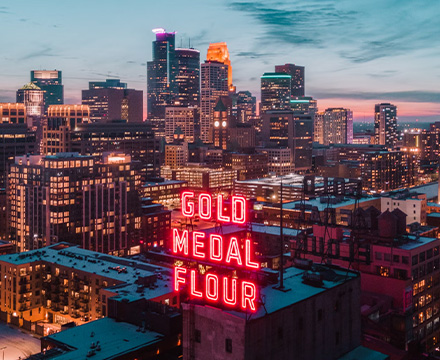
x,y
217,249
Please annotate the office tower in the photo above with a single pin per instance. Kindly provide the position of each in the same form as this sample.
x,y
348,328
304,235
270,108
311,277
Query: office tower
x,y
50,81
74,198
221,125
214,83
111,100
279,160
219,52
275,92
161,78
134,139
245,107
179,124
248,166
33,99
334,126
61,121
297,73
188,77
292,130
242,136
385,124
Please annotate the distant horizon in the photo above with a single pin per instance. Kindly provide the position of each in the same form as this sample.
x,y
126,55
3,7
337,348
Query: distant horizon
x,y
353,58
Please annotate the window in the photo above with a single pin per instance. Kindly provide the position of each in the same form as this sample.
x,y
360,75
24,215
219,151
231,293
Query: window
x,y
319,314
228,345
396,258
378,256
415,260
422,256
198,336
387,257
405,260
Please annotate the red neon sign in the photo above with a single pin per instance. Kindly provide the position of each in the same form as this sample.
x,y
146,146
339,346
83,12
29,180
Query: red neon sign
x,y
217,249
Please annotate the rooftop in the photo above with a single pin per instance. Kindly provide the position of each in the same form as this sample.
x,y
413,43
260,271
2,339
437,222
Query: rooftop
x,y
365,354
124,272
115,339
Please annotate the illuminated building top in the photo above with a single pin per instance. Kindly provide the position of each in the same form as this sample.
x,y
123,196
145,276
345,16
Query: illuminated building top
x,y
219,52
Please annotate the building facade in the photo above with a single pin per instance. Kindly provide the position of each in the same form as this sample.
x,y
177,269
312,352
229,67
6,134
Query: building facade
x,y
385,124
51,82
298,78
275,92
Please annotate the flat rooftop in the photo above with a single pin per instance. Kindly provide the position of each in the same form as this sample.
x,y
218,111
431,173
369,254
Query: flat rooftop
x,y
124,272
321,203
276,300
364,353
252,227
115,339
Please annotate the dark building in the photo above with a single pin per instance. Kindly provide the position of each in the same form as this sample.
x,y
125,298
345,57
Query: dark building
x,y
188,77
50,81
161,77
111,100
245,106
248,166
295,130
134,139
275,92
15,140
155,225
385,124
221,125
297,73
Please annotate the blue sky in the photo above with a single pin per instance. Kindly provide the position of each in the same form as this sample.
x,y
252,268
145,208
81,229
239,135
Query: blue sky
x,y
356,52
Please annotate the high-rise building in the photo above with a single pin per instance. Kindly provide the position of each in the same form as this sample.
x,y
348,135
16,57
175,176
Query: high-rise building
x,y
275,92
334,126
305,104
219,52
134,139
12,113
74,198
61,121
297,73
385,124
293,130
33,99
50,81
179,123
188,77
111,100
214,83
245,107
161,77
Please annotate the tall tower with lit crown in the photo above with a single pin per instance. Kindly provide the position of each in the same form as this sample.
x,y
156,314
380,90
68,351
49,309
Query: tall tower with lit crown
x,y
219,52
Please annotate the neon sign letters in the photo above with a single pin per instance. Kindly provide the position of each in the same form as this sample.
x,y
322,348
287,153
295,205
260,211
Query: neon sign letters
x,y
217,250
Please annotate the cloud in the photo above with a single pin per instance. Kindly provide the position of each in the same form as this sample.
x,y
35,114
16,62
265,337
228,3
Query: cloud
x,y
404,96
357,32
44,52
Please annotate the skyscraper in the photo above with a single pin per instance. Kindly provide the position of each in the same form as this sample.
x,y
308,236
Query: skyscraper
x,y
245,107
214,83
297,73
161,77
33,99
50,81
219,52
188,77
385,124
334,126
111,100
275,91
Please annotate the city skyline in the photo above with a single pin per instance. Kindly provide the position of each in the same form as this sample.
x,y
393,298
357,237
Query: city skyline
x,y
356,54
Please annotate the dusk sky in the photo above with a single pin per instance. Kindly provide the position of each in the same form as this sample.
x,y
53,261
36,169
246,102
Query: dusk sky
x,y
356,52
